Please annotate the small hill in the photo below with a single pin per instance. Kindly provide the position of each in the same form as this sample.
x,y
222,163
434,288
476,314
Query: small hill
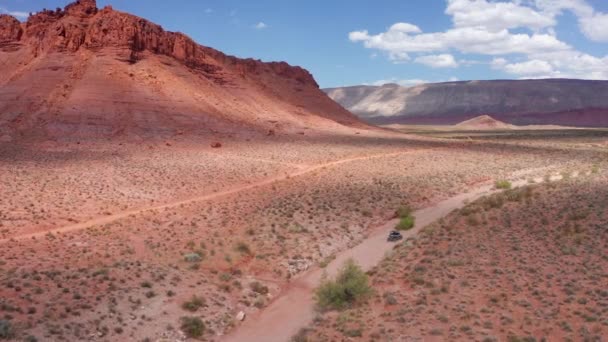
x,y
483,122
84,72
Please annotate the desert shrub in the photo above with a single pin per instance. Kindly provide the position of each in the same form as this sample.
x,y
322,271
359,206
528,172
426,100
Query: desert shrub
x,y
389,299
326,261
192,257
193,304
243,248
192,326
353,332
349,287
301,336
406,223
503,184
257,287
404,211
406,219
472,220
6,330
259,302
494,202
516,195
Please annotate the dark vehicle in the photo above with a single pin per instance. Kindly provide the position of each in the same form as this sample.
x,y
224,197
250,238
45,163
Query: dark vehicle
x,y
394,236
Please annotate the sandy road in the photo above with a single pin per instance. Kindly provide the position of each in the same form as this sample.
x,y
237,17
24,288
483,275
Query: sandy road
x,y
207,197
294,308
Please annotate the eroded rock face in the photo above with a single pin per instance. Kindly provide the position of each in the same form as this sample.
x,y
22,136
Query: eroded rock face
x,y
10,29
83,25
101,72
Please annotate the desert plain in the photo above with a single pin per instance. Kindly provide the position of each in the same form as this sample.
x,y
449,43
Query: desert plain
x,y
155,189
121,240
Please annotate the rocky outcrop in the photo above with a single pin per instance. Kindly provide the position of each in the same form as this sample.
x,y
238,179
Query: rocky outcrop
x,y
81,25
10,29
520,102
82,8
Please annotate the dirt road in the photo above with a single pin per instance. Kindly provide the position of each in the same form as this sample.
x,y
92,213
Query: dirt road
x,y
201,198
294,308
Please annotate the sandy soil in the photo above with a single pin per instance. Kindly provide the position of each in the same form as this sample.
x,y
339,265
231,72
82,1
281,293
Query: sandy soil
x,y
96,238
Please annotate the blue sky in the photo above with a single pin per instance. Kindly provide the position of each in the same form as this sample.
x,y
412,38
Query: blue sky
x,y
372,42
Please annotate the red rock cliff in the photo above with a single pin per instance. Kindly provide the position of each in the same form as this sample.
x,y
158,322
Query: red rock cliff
x,y
82,25
97,72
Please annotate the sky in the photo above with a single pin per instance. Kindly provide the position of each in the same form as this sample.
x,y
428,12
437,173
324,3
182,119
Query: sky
x,y
350,42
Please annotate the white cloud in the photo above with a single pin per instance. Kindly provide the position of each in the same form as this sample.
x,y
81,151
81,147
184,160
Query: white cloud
x,y
464,39
496,16
260,26
505,29
405,28
17,14
595,27
208,11
534,67
438,61
568,64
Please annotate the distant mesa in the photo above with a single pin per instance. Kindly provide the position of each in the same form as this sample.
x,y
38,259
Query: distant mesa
x,y
85,73
563,102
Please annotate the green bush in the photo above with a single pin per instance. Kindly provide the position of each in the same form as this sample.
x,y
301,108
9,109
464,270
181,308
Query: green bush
x,y
192,326
406,223
349,287
406,219
503,184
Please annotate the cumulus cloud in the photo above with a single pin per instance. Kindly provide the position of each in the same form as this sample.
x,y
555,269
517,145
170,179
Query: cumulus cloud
x,y
595,27
534,67
438,61
16,14
506,29
465,39
496,16
593,24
